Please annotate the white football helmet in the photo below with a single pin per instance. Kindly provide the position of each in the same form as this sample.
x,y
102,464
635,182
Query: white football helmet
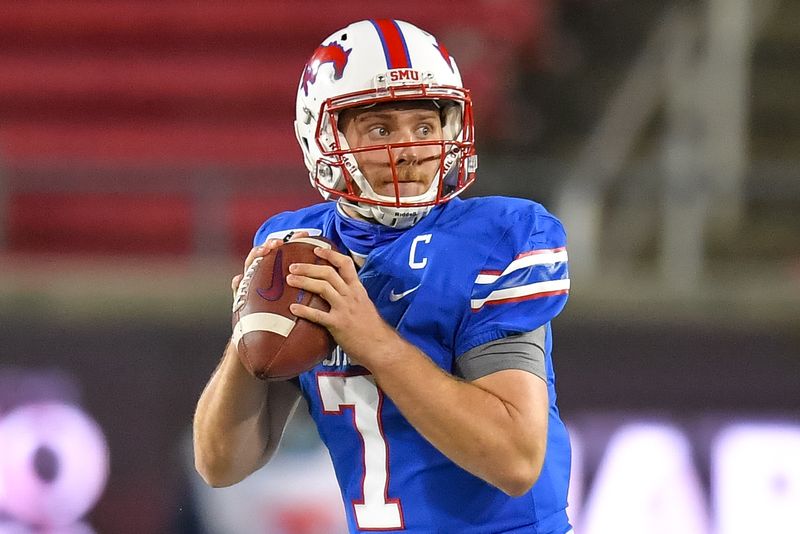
x,y
372,62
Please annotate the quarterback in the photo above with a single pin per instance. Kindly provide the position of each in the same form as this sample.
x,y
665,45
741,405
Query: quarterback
x,y
438,406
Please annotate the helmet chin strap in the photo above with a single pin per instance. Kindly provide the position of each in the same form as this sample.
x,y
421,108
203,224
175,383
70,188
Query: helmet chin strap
x,y
393,217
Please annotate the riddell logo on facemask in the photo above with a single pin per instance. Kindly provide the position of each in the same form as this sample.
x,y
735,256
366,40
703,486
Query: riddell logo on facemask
x,y
350,165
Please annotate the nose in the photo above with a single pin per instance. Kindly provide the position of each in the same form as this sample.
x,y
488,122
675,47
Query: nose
x,y
407,154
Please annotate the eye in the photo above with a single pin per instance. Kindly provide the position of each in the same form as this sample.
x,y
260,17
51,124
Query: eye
x,y
379,131
426,130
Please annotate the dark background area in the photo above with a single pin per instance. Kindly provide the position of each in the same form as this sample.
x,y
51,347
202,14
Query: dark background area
x,y
141,381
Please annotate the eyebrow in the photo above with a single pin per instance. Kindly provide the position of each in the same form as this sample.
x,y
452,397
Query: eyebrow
x,y
388,115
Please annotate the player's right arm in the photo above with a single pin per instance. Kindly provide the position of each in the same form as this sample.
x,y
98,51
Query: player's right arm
x,y
239,419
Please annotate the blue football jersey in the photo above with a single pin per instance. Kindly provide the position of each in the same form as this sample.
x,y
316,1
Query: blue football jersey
x,y
471,272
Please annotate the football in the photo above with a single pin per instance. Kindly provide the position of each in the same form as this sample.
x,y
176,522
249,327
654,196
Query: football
x,y
274,344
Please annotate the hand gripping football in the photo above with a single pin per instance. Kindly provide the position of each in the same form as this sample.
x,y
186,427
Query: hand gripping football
x,y
274,344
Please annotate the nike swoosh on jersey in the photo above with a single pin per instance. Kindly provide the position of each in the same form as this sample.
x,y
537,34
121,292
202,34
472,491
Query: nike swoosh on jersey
x,y
394,297
275,289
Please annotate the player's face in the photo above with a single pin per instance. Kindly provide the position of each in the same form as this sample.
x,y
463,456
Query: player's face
x,y
395,123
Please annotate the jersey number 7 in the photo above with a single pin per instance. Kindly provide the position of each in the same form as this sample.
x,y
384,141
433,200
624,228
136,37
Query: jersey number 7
x,y
340,392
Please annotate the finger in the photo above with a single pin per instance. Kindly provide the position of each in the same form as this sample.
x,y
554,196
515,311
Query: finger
x,y
344,264
321,272
312,314
261,250
251,256
318,287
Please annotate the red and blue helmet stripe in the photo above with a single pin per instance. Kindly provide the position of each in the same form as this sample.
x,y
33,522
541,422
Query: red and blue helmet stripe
x,y
394,44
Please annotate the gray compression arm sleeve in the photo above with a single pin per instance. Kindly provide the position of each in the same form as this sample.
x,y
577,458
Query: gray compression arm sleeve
x,y
523,351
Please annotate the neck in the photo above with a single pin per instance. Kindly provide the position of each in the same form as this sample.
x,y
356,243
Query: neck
x,y
350,212
361,235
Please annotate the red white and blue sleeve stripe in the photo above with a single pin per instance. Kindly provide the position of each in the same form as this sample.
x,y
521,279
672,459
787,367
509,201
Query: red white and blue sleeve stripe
x,y
532,274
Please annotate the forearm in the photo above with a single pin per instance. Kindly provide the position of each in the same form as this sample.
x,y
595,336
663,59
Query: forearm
x,y
494,427
475,428
231,424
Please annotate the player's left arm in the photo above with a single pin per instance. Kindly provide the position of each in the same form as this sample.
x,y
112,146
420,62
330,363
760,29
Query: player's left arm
x,y
494,427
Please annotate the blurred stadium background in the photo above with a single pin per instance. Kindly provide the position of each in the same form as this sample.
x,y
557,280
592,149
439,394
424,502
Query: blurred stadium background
x,y
143,142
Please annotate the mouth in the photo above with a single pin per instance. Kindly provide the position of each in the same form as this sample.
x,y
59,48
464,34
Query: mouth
x,y
405,188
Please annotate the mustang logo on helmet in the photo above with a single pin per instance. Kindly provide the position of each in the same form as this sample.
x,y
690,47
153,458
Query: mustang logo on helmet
x,y
445,54
330,53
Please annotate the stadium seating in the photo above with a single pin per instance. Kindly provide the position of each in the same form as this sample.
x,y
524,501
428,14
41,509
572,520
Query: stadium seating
x,y
121,85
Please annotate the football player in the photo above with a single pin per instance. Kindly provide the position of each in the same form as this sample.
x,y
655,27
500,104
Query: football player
x,y
438,406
